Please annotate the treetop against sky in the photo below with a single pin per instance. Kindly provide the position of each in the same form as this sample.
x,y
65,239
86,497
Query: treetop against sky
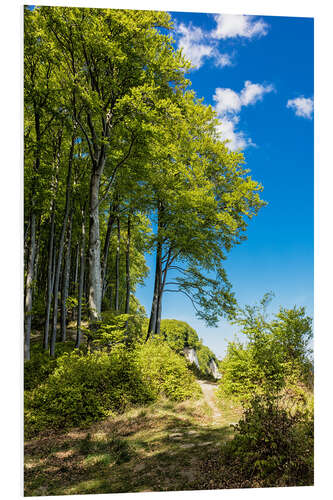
x,y
257,73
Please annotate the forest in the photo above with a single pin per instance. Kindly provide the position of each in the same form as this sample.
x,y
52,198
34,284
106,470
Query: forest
x,y
123,160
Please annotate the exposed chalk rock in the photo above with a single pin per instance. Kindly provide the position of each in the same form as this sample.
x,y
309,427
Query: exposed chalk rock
x,y
214,369
191,355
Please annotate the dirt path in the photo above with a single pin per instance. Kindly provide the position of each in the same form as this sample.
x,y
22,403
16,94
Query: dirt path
x,y
209,389
160,447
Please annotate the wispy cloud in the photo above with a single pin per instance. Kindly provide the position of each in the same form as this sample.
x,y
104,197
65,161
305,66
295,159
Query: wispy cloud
x,y
197,46
232,26
228,106
302,106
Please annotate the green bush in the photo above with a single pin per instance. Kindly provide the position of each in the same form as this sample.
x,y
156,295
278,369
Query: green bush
x,y
178,334
37,369
273,445
85,388
41,365
250,370
276,351
166,371
80,388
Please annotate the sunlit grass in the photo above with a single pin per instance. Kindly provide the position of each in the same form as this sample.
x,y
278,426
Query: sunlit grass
x,y
154,448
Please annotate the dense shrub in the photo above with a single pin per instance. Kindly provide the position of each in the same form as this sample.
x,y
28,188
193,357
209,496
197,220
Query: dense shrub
x,y
272,376
166,371
250,370
41,365
205,355
274,445
85,388
276,352
179,334
199,374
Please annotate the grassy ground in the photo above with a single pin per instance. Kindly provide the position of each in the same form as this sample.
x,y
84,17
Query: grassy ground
x,y
157,448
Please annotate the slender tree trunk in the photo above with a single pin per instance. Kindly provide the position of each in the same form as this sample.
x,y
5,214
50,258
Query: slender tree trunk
x,y
37,253
159,299
32,250
80,291
49,282
29,285
75,285
162,281
95,285
65,282
61,249
153,314
128,277
116,303
107,246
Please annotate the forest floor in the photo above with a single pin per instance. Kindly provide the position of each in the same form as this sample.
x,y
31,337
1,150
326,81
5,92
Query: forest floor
x,y
161,447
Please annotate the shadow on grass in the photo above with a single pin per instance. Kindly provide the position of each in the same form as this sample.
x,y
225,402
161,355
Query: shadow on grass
x,y
152,450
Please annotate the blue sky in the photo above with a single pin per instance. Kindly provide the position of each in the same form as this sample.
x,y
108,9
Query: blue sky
x,y
258,74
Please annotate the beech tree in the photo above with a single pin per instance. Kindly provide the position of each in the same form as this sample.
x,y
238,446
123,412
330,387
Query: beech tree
x,y
115,82
121,159
203,198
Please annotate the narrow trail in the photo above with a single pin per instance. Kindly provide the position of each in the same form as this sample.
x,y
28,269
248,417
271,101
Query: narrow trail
x,y
209,389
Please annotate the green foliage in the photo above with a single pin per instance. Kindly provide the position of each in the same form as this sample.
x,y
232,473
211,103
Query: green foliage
x,y
41,365
199,374
166,371
115,328
85,388
273,445
276,353
77,388
37,369
179,334
205,355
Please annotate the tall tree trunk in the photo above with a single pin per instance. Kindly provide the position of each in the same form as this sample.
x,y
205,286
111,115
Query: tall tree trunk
x,y
49,282
153,314
107,246
116,303
128,277
80,290
74,286
95,285
29,285
162,280
37,252
159,298
32,250
65,282
61,249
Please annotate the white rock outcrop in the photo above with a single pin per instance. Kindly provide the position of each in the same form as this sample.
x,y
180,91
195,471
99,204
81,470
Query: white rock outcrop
x,y
191,355
214,369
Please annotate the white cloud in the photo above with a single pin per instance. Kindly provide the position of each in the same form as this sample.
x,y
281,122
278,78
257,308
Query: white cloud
x,y
227,101
222,59
197,46
302,106
236,139
231,26
189,42
253,92
228,106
